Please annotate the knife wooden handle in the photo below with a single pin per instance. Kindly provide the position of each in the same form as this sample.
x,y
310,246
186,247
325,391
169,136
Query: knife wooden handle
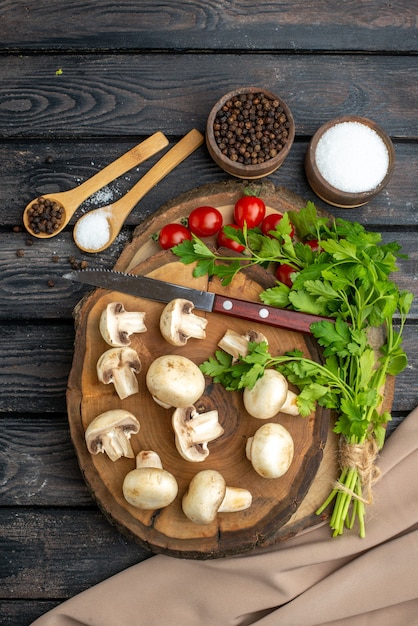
x,y
258,312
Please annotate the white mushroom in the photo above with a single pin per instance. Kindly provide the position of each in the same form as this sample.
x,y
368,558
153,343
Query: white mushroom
x,y
149,486
208,495
119,366
269,395
174,380
116,324
193,431
178,324
237,345
270,450
110,432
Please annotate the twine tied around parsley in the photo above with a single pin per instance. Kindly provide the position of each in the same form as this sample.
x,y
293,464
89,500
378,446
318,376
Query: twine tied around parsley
x,y
360,457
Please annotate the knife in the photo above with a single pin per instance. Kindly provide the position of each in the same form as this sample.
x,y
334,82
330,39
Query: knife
x,y
161,291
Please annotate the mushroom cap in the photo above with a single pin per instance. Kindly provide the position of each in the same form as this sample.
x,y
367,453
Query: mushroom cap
x,y
119,420
174,380
115,358
116,324
178,324
268,395
270,450
149,488
204,496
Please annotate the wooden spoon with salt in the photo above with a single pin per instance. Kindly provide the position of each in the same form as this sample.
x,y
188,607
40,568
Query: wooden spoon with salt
x,y
95,231
67,202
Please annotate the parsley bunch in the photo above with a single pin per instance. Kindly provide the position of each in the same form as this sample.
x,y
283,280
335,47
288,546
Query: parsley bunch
x,y
346,279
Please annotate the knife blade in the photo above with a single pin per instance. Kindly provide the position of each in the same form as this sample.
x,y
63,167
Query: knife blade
x,y
161,291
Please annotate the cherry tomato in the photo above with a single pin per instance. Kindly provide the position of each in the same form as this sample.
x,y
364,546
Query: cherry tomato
x,y
250,210
173,234
313,244
205,221
270,222
284,274
226,242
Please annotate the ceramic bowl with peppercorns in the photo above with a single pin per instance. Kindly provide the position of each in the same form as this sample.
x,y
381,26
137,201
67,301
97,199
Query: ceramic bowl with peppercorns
x,y
249,132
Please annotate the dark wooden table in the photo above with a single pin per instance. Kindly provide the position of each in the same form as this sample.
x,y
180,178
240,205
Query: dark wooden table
x,y
80,83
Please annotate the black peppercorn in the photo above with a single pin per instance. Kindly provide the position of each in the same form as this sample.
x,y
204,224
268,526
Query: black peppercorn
x,y
45,216
251,128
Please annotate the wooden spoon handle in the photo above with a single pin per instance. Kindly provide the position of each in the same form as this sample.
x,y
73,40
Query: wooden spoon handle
x,y
127,161
188,144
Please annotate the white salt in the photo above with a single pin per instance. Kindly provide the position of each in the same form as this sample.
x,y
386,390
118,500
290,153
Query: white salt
x,y
352,157
93,230
102,197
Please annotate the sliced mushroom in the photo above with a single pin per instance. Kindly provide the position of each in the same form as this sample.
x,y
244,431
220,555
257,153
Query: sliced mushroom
x,y
269,395
178,324
117,324
174,380
149,486
237,345
270,450
119,366
208,495
110,432
193,431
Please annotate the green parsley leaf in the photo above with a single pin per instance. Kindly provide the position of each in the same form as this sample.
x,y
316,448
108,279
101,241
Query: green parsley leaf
x,y
276,296
185,250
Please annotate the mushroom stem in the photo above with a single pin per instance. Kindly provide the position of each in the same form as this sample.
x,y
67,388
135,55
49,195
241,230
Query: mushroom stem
x,y
204,427
235,499
134,321
125,382
148,458
290,406
237,345
194,326
116,444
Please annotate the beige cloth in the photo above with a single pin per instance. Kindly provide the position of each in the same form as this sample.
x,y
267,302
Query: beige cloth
x,y
310,580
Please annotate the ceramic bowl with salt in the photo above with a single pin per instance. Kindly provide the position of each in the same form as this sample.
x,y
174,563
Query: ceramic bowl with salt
x,y
349,161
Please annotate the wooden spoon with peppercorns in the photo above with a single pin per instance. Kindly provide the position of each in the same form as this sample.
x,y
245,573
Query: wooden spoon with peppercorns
x,y
47,215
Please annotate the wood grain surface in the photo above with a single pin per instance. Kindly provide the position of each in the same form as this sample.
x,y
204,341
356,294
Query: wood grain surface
x,y
115,92
80,84
372,25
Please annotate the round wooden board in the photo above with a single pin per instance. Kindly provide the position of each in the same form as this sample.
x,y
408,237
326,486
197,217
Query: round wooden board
x,y
281,507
